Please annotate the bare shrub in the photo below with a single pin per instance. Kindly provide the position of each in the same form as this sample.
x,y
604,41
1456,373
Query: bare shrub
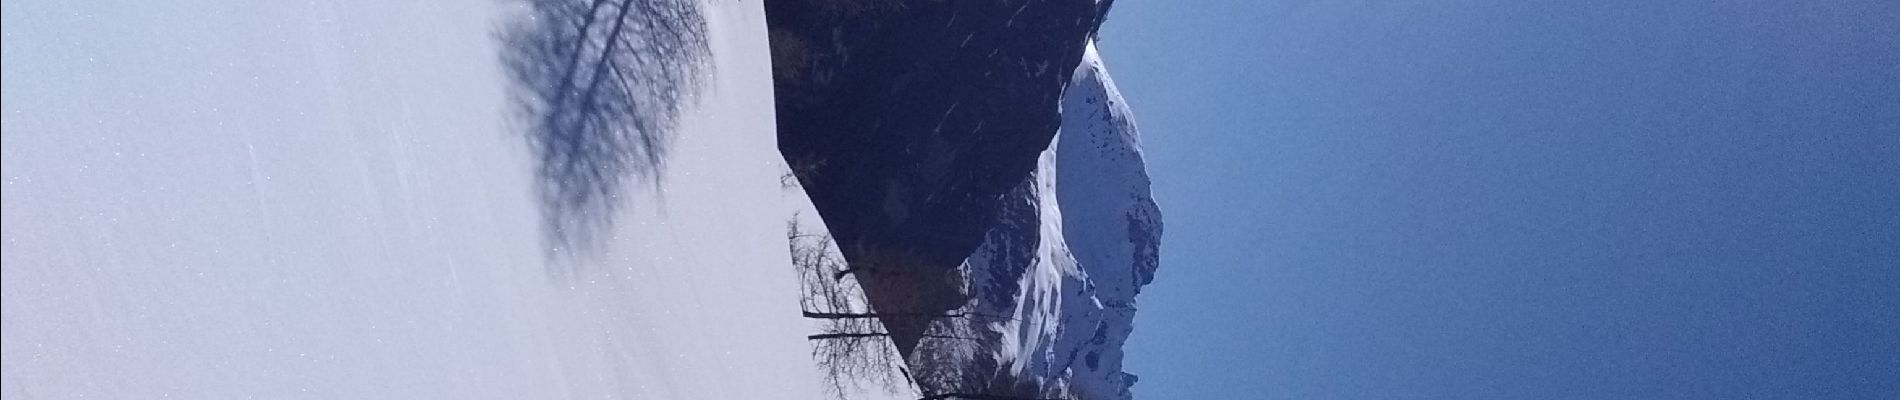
x,y
852,349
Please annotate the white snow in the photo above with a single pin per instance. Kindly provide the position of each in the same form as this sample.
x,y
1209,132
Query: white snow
x,y
1098,230
1111,221
1056,308
326,199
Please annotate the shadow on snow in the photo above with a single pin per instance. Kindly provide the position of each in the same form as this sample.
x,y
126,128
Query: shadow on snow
x,y
599,86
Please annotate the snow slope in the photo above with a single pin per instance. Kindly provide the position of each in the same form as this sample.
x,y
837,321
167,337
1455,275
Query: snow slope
x,y
1110,219
1072,249
325,199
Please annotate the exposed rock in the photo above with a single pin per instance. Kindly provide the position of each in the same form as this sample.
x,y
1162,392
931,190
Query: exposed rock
x,y
907,121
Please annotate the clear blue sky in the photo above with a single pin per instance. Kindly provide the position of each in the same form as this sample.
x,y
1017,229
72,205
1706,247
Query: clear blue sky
x,y
1518,199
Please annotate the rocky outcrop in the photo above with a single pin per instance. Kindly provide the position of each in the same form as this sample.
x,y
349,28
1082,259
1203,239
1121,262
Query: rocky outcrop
x,y
907,121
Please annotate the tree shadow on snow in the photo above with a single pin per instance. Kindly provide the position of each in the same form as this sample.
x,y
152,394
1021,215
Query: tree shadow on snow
x,y
599,86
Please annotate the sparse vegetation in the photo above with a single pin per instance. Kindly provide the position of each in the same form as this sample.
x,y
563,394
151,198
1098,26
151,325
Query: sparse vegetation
x,y
852,349
857,351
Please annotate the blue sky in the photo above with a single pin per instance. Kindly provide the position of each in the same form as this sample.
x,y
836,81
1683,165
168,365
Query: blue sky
x,y
1514,200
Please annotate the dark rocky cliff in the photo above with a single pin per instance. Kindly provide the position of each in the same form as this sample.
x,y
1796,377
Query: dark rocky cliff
x,y
907,121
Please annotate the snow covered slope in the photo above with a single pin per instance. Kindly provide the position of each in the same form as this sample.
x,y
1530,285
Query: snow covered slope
x,y
1109,218
1071,250
238,199
1049,303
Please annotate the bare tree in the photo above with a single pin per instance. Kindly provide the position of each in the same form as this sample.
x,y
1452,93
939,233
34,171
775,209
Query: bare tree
x,y
852,348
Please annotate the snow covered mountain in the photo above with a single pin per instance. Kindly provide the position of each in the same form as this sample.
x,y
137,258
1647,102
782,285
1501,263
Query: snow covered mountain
x,y
1109,218
1070,251
333,199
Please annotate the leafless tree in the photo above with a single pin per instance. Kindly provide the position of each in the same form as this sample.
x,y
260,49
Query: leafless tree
x,y
852,348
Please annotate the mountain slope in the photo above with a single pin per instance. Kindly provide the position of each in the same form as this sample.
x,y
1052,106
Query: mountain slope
x,y
233,199
906,121
1110,219
1070,252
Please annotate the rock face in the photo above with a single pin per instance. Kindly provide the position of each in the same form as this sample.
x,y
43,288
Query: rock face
x,y
1069,253
907,121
